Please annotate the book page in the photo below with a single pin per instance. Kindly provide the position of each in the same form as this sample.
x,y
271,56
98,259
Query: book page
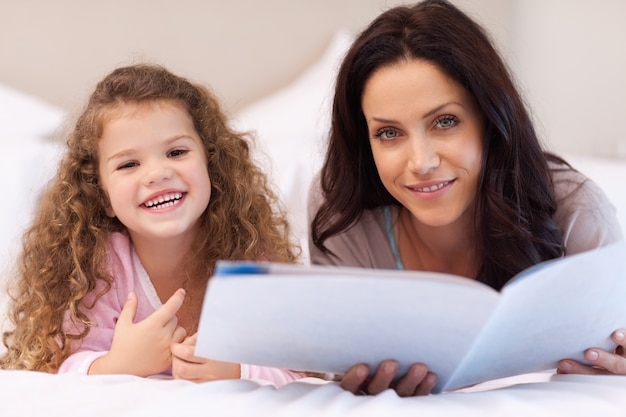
x,y
327,322
555,312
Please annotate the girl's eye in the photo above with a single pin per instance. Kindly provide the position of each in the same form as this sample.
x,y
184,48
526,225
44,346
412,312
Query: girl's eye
x,y
387,134
177,152
128,165
446,122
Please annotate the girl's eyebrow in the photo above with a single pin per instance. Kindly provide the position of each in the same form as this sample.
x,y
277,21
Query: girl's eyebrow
x,y
121,154
126,152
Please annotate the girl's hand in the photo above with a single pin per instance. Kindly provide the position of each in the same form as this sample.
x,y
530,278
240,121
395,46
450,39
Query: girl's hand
x,y
604,363
418,381
143,348
185,365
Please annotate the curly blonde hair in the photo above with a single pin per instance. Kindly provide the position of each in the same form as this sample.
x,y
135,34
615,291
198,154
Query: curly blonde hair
x,y
64,251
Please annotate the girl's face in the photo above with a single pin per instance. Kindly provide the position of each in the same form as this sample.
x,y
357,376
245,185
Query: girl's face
x,y
426,137
153,167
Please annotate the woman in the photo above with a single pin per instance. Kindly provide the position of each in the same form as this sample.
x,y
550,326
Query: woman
x,y
434,164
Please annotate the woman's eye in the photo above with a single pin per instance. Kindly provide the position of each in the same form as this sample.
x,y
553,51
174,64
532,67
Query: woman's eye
x,y
446,122
386,134
177,152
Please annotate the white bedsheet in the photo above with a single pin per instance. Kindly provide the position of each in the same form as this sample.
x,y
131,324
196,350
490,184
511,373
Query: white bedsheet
x,y
32,394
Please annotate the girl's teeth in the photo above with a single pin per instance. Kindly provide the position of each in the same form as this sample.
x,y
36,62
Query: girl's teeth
x,y
166,200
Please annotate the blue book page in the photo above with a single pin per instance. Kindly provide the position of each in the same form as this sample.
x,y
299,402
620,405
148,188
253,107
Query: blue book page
x,y
327,319
556,311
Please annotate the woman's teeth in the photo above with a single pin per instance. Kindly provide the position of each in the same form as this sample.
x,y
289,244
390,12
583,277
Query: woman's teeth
x,y
432,188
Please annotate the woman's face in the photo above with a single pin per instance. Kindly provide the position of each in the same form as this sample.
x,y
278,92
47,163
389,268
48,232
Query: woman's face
x,y
426,134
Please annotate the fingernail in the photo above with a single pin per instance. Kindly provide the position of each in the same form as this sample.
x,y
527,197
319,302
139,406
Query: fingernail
x,y
361,371
417,371
619,335
565,366
431,379
389,368
592,355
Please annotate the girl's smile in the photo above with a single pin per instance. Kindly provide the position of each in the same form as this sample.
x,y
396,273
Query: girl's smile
x,y
163,201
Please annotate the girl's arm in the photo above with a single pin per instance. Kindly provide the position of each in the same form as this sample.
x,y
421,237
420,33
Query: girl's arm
x,y
185,365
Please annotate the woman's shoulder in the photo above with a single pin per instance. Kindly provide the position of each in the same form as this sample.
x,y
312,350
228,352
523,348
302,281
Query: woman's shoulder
x,y
584,213
573,188
364,244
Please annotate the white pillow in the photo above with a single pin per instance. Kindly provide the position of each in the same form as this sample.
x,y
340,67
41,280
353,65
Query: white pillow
x,y
24,117
291,126
27,161
29,155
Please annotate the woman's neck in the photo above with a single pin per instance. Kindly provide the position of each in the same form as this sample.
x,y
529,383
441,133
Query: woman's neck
x,y
449,249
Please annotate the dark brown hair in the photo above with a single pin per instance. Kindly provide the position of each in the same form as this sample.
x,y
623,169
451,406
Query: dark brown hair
x,y
515,203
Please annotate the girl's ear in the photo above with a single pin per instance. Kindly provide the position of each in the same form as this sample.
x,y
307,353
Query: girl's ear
x,y
107,205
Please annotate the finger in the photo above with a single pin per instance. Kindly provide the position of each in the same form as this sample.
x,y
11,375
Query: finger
x,y
427,384
611,362
169,309
184,352
619,337
179,335
569,366
191,340
408,384
383,377
127,315
354,378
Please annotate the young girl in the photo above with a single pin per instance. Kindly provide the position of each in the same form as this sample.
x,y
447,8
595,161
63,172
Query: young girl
x,y
154,188
433,164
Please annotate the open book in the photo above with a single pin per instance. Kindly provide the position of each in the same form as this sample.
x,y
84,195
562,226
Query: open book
x,y
327,319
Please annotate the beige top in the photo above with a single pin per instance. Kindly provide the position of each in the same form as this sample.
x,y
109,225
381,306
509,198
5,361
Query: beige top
x,y
584,214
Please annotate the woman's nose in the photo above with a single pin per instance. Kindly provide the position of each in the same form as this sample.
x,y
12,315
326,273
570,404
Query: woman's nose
x,y
423,155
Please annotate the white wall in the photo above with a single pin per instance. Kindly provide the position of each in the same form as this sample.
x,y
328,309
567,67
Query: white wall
x,y
571,58
245,49
568,55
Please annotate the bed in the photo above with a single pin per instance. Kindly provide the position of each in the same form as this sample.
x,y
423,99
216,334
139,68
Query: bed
x,y
291,122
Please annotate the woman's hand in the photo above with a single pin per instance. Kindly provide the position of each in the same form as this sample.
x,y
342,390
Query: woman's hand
x,y
185,365
417,381
604,363
142,348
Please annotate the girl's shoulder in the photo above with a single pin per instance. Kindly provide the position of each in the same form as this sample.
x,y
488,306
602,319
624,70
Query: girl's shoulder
x,y
119,244
120,255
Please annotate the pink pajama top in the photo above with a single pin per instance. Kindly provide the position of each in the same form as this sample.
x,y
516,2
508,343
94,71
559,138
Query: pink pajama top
x,y
129,275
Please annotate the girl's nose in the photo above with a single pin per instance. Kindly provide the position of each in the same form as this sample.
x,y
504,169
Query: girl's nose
x,y
157,173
